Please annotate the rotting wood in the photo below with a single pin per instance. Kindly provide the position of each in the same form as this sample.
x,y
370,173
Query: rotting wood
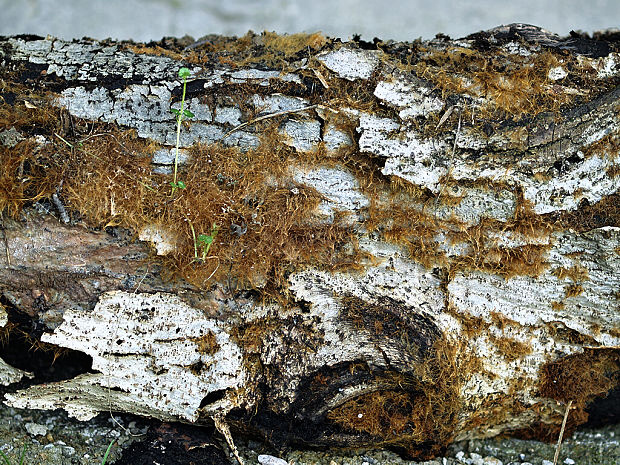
x,y
418,242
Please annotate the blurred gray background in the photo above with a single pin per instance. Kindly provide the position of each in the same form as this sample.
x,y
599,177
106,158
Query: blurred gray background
x,y
144,20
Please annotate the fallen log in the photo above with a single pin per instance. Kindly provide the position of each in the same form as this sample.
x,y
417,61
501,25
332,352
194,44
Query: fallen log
x,y
343,244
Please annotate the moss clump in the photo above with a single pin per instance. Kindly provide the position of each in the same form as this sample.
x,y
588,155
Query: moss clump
x,y
575,273
510,348
513,85
25,177
420,232
267,49
380,414
291,44
418,413
573,290
579,378
266,221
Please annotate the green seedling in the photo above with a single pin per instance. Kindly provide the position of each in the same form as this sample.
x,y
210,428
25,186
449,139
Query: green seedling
x,y
205,241
180,114
6,460
202,242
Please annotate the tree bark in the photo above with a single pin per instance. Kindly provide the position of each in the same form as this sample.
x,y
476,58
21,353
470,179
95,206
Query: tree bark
x,y
388,244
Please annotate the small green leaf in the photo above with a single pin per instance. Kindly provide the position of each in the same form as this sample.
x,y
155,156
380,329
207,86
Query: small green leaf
x,y
175,111
184,72
205,239
178,185
188,114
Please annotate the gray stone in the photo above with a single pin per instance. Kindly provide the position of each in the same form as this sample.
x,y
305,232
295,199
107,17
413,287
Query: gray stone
x,y
36,429
10,137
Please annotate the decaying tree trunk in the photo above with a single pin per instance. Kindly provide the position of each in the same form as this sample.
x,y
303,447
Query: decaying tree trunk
x,y
388,244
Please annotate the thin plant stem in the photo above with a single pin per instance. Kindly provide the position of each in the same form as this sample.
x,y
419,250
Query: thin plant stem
x,y
69,144
191,226
264,117
559,445
6,241
179,120
147,187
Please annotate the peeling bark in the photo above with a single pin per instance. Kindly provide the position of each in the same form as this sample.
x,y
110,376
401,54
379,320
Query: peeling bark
x,y
442,249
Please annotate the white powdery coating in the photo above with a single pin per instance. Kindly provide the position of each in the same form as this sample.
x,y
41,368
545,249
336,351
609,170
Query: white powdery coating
x,y
527,300
142,344
516,48
147,109
395,277
35,51
608,66
589,179
87,104
605,67
412,100
92,61
339,187
557,73
274,103
303,135
261,77
414,160
334,138
201,111
168,156
350,63
476,204
228,115
140,106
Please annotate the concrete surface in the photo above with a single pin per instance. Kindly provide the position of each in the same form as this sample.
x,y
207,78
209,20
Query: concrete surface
x,y
145,20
